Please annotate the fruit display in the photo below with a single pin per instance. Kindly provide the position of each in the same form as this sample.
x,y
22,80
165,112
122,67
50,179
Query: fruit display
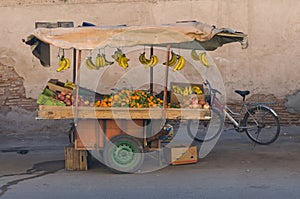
x,y
66,98
200,57
64,63
131,99
187,90
148,62
188,95
121,58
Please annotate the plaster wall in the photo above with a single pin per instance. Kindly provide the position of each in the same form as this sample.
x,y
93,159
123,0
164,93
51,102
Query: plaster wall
x,y
269,66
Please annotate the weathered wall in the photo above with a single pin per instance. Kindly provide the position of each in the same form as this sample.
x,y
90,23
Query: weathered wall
x,y
269,66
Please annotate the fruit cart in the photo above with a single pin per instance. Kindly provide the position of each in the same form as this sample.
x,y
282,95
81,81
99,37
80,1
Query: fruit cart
x,y
123,129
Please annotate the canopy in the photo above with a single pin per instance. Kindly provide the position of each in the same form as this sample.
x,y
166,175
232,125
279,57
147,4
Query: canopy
x,y
188,35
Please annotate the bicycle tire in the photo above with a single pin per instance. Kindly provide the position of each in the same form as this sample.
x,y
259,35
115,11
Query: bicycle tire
x,y
265,123
203,131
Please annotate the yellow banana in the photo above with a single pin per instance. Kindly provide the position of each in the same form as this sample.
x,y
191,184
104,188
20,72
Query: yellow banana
x,y
197,90
153,61
143,59
124,61
62,64
68,63
195,55
203,59
180,64
173,59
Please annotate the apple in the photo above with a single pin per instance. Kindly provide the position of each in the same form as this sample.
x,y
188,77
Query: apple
x,y
206,105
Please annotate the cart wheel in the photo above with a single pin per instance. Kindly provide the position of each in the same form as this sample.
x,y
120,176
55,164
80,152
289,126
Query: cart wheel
x,y
123,154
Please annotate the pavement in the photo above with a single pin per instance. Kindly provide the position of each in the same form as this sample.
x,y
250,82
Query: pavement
x,y
32,166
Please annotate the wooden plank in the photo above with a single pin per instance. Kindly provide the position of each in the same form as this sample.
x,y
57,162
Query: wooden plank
x,y
68,112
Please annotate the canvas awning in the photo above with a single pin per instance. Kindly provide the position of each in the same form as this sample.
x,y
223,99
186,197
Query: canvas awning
x,y
188,35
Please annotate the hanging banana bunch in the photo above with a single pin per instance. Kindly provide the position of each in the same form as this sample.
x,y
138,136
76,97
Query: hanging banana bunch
x,y
101,61
148,62
63,62
172,60
202,57
180,63
121,58
177,61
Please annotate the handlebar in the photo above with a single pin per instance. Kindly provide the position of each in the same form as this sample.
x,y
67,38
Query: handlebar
x,y
211,90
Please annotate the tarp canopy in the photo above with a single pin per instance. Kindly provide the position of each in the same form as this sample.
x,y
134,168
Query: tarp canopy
x,y
188,35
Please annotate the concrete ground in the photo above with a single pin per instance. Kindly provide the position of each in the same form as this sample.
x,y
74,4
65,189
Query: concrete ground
x,y
235,168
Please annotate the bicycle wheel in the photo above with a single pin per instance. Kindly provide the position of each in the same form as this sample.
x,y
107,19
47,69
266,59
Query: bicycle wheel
x,y
206,130
262,125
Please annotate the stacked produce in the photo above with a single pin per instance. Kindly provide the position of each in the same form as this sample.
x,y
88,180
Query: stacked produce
x,y
131,99
190,96
48,97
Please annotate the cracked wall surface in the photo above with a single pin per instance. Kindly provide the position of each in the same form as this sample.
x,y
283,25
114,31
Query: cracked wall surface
x,y
269,66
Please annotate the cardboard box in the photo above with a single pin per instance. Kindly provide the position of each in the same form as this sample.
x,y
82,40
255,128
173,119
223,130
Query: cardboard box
x,y
181,154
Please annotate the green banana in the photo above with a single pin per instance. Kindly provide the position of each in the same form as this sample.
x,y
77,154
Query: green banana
x,y
90,65
195,55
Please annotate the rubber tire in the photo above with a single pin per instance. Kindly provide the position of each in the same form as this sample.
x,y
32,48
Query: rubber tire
x,y
276,121
218,116
133,145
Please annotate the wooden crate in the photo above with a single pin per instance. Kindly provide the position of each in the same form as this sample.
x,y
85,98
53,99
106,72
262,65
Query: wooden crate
x,y
57,86
176,98
181,154
75,160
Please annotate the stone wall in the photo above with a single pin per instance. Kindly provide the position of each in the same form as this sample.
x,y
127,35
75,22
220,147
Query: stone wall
x,y
269,66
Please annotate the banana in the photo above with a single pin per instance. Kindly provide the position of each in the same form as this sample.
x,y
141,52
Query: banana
x,y
180,64
172,60
203,59
194,55
143,60
106,62
124,61
153,61
90,65
70,85
197,90
63,64
117,54
98,62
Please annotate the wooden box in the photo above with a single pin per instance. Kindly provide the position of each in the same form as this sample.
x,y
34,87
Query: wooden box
x,y
177,98
181,154
57,86
75,160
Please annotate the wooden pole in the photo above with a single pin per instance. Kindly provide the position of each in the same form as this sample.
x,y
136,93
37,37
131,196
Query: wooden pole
x,y
166,77
77,87
151,73
74,65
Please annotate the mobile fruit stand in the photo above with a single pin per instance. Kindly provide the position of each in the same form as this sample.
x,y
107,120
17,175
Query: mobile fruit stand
x,y
121,125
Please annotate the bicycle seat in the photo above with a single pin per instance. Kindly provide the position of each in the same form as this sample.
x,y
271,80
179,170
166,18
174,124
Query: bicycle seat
x,y
242,93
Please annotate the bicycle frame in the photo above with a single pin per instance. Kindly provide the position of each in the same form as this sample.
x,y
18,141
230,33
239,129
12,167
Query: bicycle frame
x,y
215,102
